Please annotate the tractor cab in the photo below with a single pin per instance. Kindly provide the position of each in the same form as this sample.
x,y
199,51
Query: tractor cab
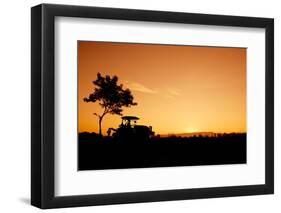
x,y
129,121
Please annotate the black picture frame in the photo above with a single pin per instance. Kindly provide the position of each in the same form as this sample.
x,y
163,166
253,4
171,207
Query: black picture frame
x,y
43,117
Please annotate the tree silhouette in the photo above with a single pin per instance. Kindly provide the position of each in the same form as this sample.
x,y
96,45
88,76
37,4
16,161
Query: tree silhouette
x,y
111,97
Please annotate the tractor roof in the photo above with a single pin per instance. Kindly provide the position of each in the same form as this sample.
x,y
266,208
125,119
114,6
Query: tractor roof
x,y
129,118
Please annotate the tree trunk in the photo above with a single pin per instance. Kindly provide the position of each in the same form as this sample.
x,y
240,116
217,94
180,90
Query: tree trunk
x,y
100,131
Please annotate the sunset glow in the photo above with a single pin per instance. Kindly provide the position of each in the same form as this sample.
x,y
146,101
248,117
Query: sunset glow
x,y
179,89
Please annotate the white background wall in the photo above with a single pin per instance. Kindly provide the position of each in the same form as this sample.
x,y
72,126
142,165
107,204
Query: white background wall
x,y
15,106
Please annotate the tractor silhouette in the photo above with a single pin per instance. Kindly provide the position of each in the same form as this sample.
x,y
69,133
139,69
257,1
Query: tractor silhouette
x,y
129,131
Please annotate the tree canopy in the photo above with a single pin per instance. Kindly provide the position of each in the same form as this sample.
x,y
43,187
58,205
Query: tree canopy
x,y
110,96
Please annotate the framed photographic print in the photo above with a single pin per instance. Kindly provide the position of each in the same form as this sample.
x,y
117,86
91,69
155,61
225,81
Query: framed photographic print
x,y
139,106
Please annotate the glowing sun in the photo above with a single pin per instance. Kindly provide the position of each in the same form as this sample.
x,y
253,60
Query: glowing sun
x,y
191,130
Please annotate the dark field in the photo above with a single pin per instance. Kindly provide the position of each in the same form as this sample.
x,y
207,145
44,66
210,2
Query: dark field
x,y
95,152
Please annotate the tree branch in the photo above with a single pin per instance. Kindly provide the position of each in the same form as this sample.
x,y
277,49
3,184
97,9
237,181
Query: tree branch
x,y
104,112
96,115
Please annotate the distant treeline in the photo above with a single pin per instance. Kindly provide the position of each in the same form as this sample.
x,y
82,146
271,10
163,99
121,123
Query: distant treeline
x,y
94,137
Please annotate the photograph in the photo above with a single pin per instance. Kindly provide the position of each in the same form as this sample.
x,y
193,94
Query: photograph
x,y
143,105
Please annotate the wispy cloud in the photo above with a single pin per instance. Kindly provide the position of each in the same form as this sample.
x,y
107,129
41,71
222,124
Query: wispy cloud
x,y
135,86
169,92
172,93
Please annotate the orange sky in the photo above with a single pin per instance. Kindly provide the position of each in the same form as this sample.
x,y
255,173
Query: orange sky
x,y
178,89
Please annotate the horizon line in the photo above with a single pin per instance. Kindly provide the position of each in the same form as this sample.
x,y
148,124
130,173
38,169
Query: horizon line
x,y
211,132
